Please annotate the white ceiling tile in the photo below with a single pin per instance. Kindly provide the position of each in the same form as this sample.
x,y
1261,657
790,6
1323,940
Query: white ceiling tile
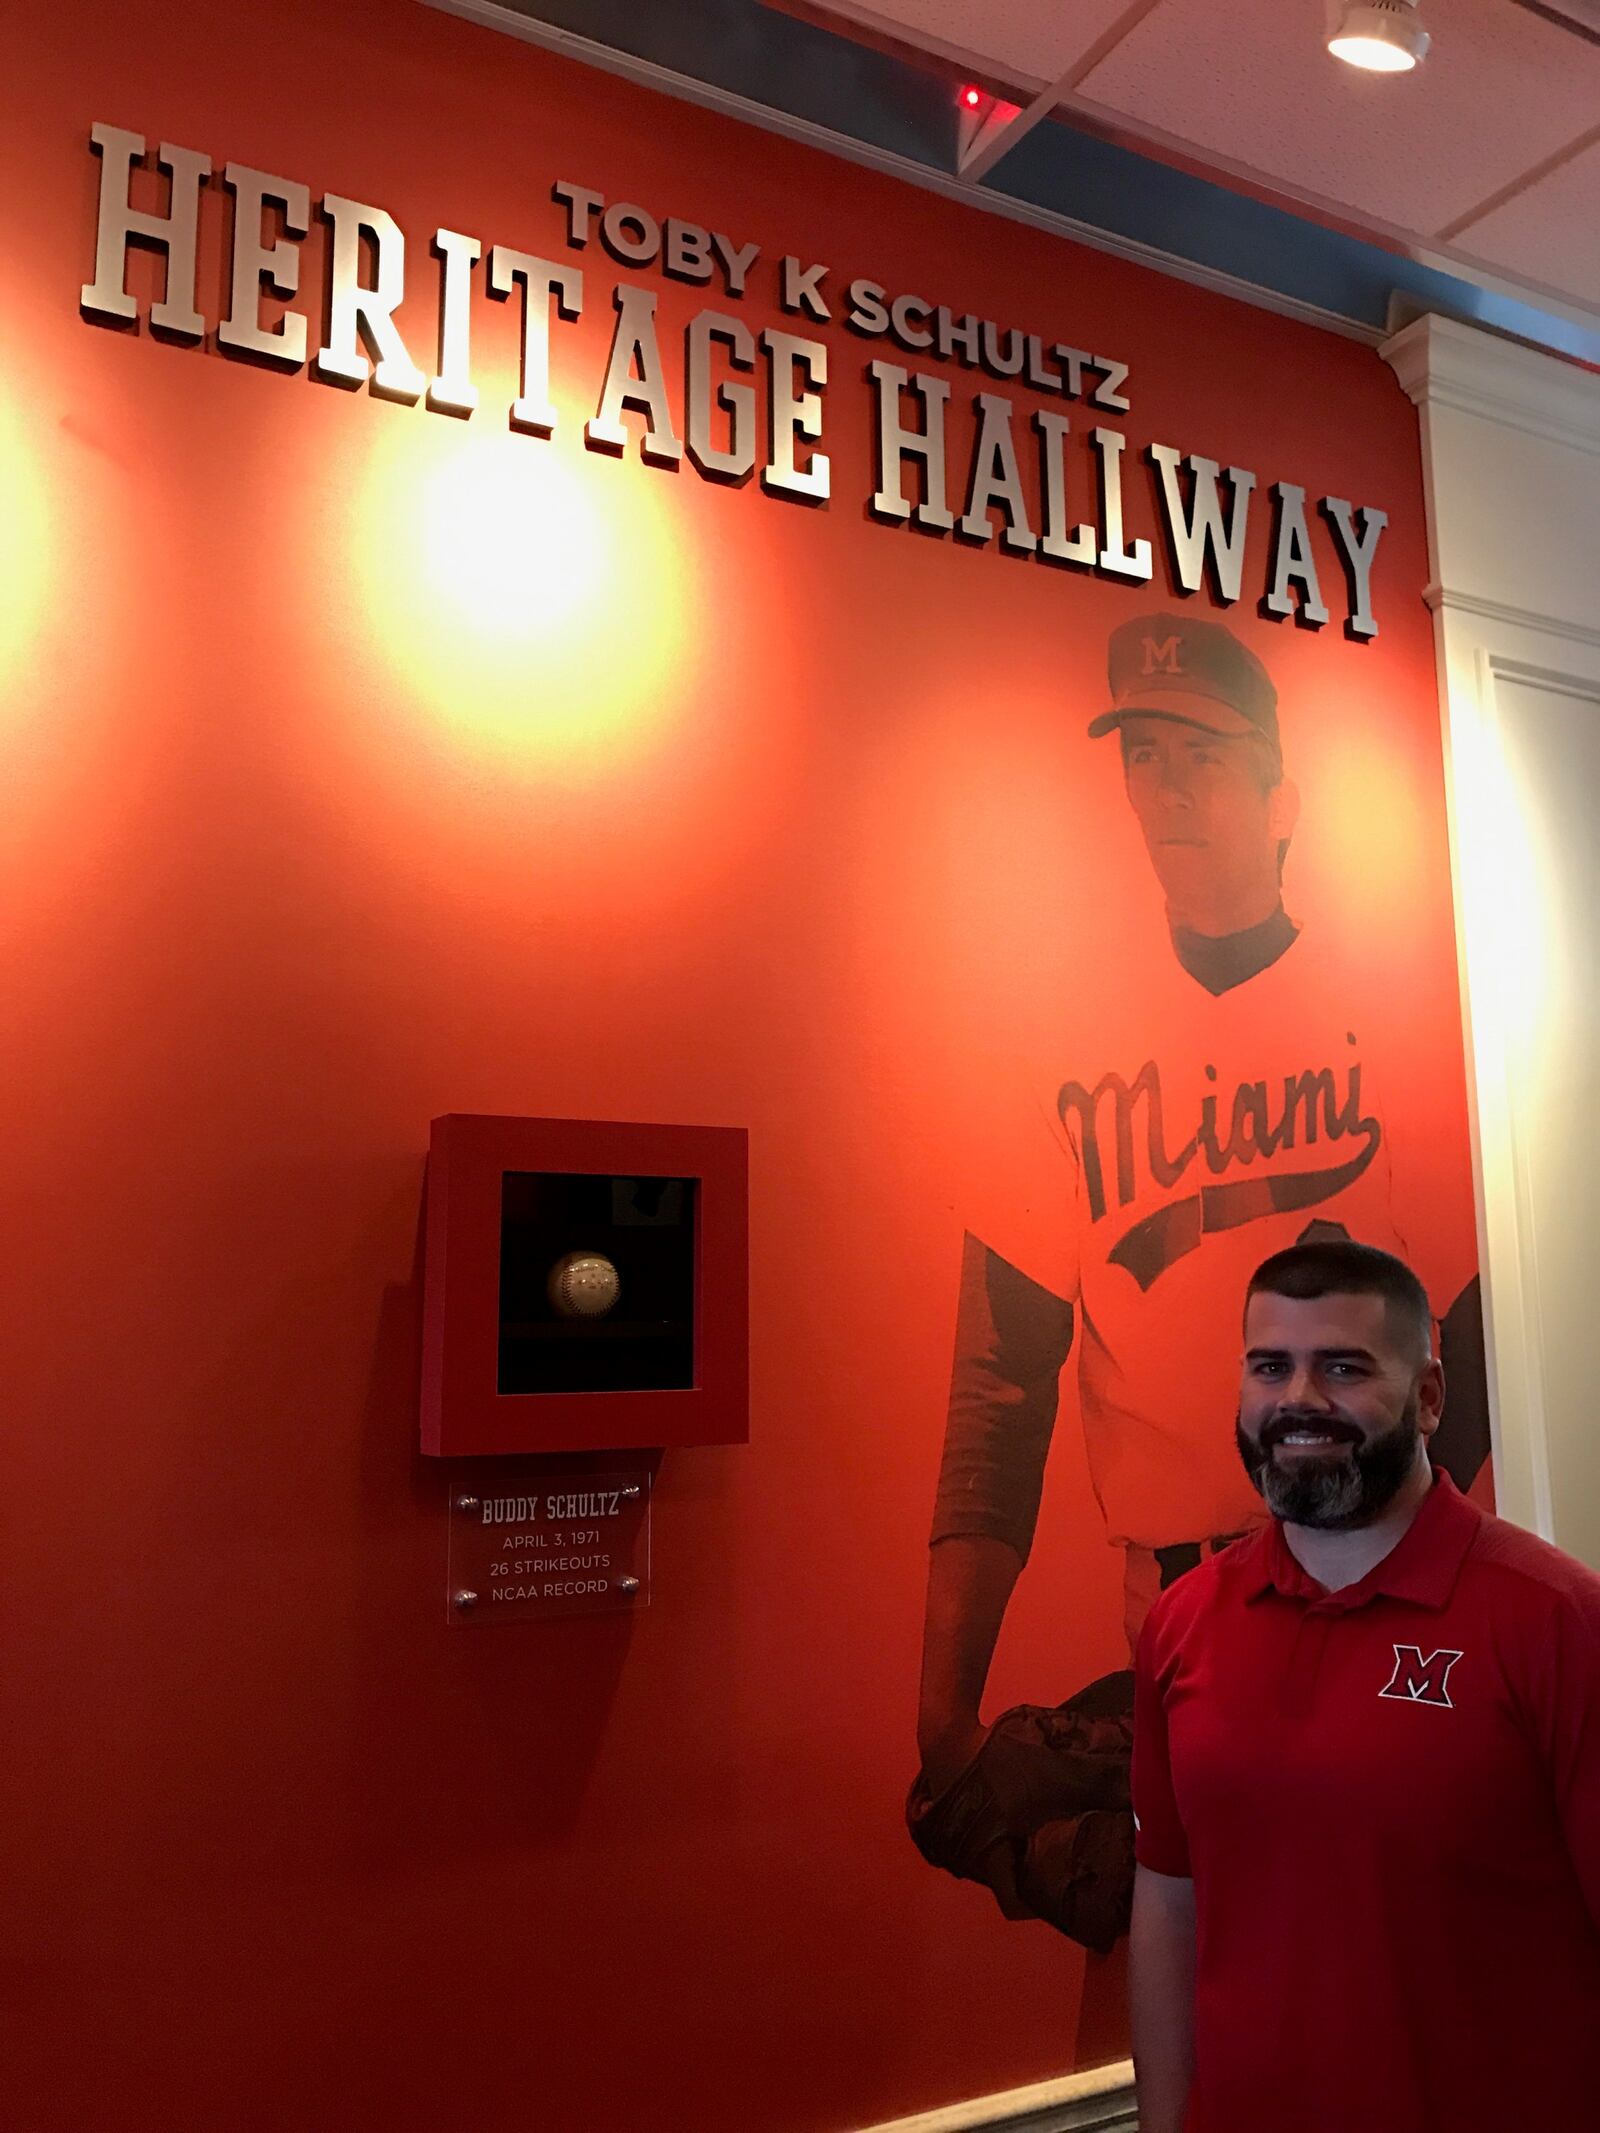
x,y
1251,81
1550,233
1031,40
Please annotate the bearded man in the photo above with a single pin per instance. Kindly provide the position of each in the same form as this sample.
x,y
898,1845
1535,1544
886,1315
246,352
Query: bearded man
x,y
1366,1771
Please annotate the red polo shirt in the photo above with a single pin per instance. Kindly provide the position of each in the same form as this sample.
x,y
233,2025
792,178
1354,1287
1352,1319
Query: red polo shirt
x,y
1389,1801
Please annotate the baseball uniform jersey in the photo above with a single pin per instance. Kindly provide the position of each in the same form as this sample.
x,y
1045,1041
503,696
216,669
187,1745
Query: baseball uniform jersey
x,y
1194,1134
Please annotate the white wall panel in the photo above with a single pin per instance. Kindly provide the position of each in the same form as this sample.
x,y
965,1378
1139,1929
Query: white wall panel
x,y
1511,449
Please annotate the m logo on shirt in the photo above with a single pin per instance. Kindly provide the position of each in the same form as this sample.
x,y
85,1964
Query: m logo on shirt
x,y
1419,1680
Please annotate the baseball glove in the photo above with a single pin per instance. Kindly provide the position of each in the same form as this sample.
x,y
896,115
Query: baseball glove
x,y
1041,1815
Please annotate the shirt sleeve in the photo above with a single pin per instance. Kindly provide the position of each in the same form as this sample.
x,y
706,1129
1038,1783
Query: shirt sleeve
x,y
1570,1722
1018,1184
1012,1337
1160,1841
1022,1188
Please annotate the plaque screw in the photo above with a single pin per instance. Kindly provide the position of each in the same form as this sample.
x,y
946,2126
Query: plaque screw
x,y
627,1584
632,1489
466,1503
466,1601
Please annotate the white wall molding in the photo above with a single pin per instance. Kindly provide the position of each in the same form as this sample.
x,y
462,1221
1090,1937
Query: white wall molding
x,y
1559,681
1098,2101
1444,364
1520,618
1511,460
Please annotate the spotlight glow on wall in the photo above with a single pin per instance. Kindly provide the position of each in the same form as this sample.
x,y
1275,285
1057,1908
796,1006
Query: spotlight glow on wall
x,y
27,563
533,600
1506,912
1381,36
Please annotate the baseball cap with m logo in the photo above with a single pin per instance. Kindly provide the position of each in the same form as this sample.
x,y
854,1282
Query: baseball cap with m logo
x,y
1190,670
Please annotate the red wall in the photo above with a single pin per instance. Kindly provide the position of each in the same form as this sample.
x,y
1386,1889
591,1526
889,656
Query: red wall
x,y
304,841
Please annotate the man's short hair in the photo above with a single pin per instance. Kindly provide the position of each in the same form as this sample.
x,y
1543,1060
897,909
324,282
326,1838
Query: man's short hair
x,y
1336,1266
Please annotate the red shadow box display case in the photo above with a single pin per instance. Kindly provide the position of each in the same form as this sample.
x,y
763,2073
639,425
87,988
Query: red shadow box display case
x,y
586,1286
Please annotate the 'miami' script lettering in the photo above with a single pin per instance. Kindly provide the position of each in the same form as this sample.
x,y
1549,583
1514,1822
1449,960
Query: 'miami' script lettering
x,y
1262,1118
1259,1120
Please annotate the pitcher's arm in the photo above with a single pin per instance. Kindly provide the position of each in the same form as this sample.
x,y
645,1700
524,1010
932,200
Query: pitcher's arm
x,y
1012,1339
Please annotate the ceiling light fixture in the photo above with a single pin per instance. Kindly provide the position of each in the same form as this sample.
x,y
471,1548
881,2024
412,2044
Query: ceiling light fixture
x,y
1383,36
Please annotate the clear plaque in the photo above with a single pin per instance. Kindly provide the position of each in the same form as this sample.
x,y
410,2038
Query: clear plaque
x,y
565,1540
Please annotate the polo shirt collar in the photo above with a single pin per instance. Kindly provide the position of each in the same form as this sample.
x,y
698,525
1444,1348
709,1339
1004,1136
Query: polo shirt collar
x,y
1422,1568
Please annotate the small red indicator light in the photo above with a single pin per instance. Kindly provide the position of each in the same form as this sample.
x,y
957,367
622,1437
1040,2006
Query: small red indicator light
x,y
972,98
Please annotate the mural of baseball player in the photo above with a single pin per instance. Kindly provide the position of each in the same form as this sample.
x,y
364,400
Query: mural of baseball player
x,y
1219,1111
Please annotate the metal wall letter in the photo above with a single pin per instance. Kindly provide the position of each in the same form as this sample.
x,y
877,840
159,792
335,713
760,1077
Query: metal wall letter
x,y
542,281
175,232
896,444
356,313
278,265
634,378
794,415
735,461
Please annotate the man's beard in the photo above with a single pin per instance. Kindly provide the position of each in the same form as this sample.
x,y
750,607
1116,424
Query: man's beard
x,y
1354,1484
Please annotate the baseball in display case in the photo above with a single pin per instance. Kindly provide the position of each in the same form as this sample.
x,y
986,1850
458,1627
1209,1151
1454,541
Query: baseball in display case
x,y
585,1286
